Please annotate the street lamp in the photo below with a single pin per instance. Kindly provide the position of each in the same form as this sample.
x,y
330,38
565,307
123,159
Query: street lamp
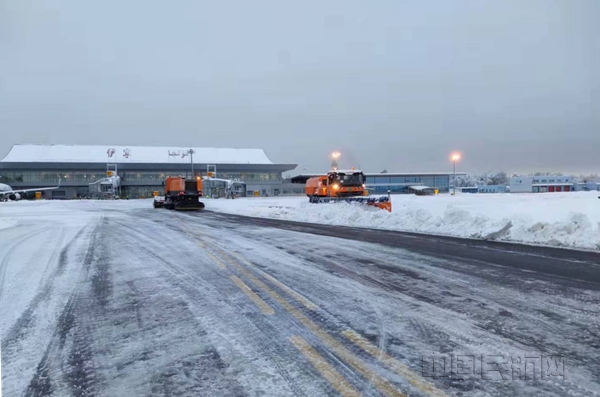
x,y
334,157
455,157
191,153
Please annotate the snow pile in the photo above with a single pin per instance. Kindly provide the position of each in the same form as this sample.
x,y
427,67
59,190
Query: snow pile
x,y
559,219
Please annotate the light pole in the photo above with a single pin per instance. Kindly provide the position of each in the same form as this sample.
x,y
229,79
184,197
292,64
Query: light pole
x,y
191,153
455,157
334,157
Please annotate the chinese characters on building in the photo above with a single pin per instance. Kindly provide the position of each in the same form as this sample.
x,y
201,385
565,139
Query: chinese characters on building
x,y
111,152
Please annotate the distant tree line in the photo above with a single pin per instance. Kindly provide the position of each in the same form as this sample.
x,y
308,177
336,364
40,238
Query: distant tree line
x,y
577,178
485,179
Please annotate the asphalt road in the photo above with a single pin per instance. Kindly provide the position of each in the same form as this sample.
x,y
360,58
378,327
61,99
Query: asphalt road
x,y
136,302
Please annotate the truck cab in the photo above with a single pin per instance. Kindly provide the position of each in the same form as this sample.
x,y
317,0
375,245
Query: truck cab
x,y
337,183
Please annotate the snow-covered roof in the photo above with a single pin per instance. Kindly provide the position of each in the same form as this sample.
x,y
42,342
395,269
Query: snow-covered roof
x,y
346,171
419,187
132,154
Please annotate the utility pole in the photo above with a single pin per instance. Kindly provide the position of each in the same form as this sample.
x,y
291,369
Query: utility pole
x,y
455,157
454,189
191,152
334,158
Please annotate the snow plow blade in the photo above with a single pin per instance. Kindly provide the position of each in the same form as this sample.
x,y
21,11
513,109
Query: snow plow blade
x,y
188,206
384,203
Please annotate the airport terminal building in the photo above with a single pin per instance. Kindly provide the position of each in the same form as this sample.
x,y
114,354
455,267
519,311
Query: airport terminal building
x,y
142,168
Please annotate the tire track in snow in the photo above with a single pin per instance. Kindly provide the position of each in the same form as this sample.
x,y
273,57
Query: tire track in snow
x,y
75,366
323,321
262,333
192,368
351,374
265,340
432,334
25,322
8,255
53,258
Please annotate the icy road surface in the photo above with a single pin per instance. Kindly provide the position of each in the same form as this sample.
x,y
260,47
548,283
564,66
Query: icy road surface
x,y
119,299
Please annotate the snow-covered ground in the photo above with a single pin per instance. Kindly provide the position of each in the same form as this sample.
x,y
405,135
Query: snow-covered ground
x,y
557,219
6,223
115,298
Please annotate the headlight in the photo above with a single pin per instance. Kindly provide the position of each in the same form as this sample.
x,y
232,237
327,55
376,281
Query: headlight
x,y
336,186
364,185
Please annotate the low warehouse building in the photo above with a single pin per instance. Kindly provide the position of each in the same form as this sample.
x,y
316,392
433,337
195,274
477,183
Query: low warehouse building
x,y
541,184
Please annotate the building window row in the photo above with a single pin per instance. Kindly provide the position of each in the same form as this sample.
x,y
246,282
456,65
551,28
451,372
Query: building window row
x,y
251,176
398,189
150,177
431,181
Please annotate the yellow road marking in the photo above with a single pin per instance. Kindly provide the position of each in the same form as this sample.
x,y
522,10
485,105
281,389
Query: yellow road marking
x,y
200,236
264,307
338,382
305,302
217,261
187,231
382,384
394,364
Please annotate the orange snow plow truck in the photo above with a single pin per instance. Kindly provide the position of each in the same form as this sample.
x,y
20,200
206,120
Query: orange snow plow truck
x,y
182,194
344,186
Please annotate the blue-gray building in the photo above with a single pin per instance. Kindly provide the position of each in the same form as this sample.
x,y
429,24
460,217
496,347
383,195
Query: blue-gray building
x,y
587,186
468,189
493,189
409,183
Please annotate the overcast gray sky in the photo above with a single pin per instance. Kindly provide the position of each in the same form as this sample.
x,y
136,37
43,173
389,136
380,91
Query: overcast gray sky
x,y
513,84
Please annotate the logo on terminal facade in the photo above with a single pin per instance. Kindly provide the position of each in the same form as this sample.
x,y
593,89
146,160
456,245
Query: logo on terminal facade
x,y
110,152
126,153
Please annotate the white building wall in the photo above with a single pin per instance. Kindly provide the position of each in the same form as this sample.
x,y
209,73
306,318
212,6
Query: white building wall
x,y
521,184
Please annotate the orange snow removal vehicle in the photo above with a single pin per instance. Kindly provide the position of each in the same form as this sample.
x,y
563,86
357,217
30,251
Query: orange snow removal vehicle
x,y
182,194
344,186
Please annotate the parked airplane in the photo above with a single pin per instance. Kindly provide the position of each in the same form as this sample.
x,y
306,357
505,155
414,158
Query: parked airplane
x,y
8,193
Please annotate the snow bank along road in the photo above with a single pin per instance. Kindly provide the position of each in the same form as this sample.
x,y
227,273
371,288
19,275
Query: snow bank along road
x,y
555,219
119,299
